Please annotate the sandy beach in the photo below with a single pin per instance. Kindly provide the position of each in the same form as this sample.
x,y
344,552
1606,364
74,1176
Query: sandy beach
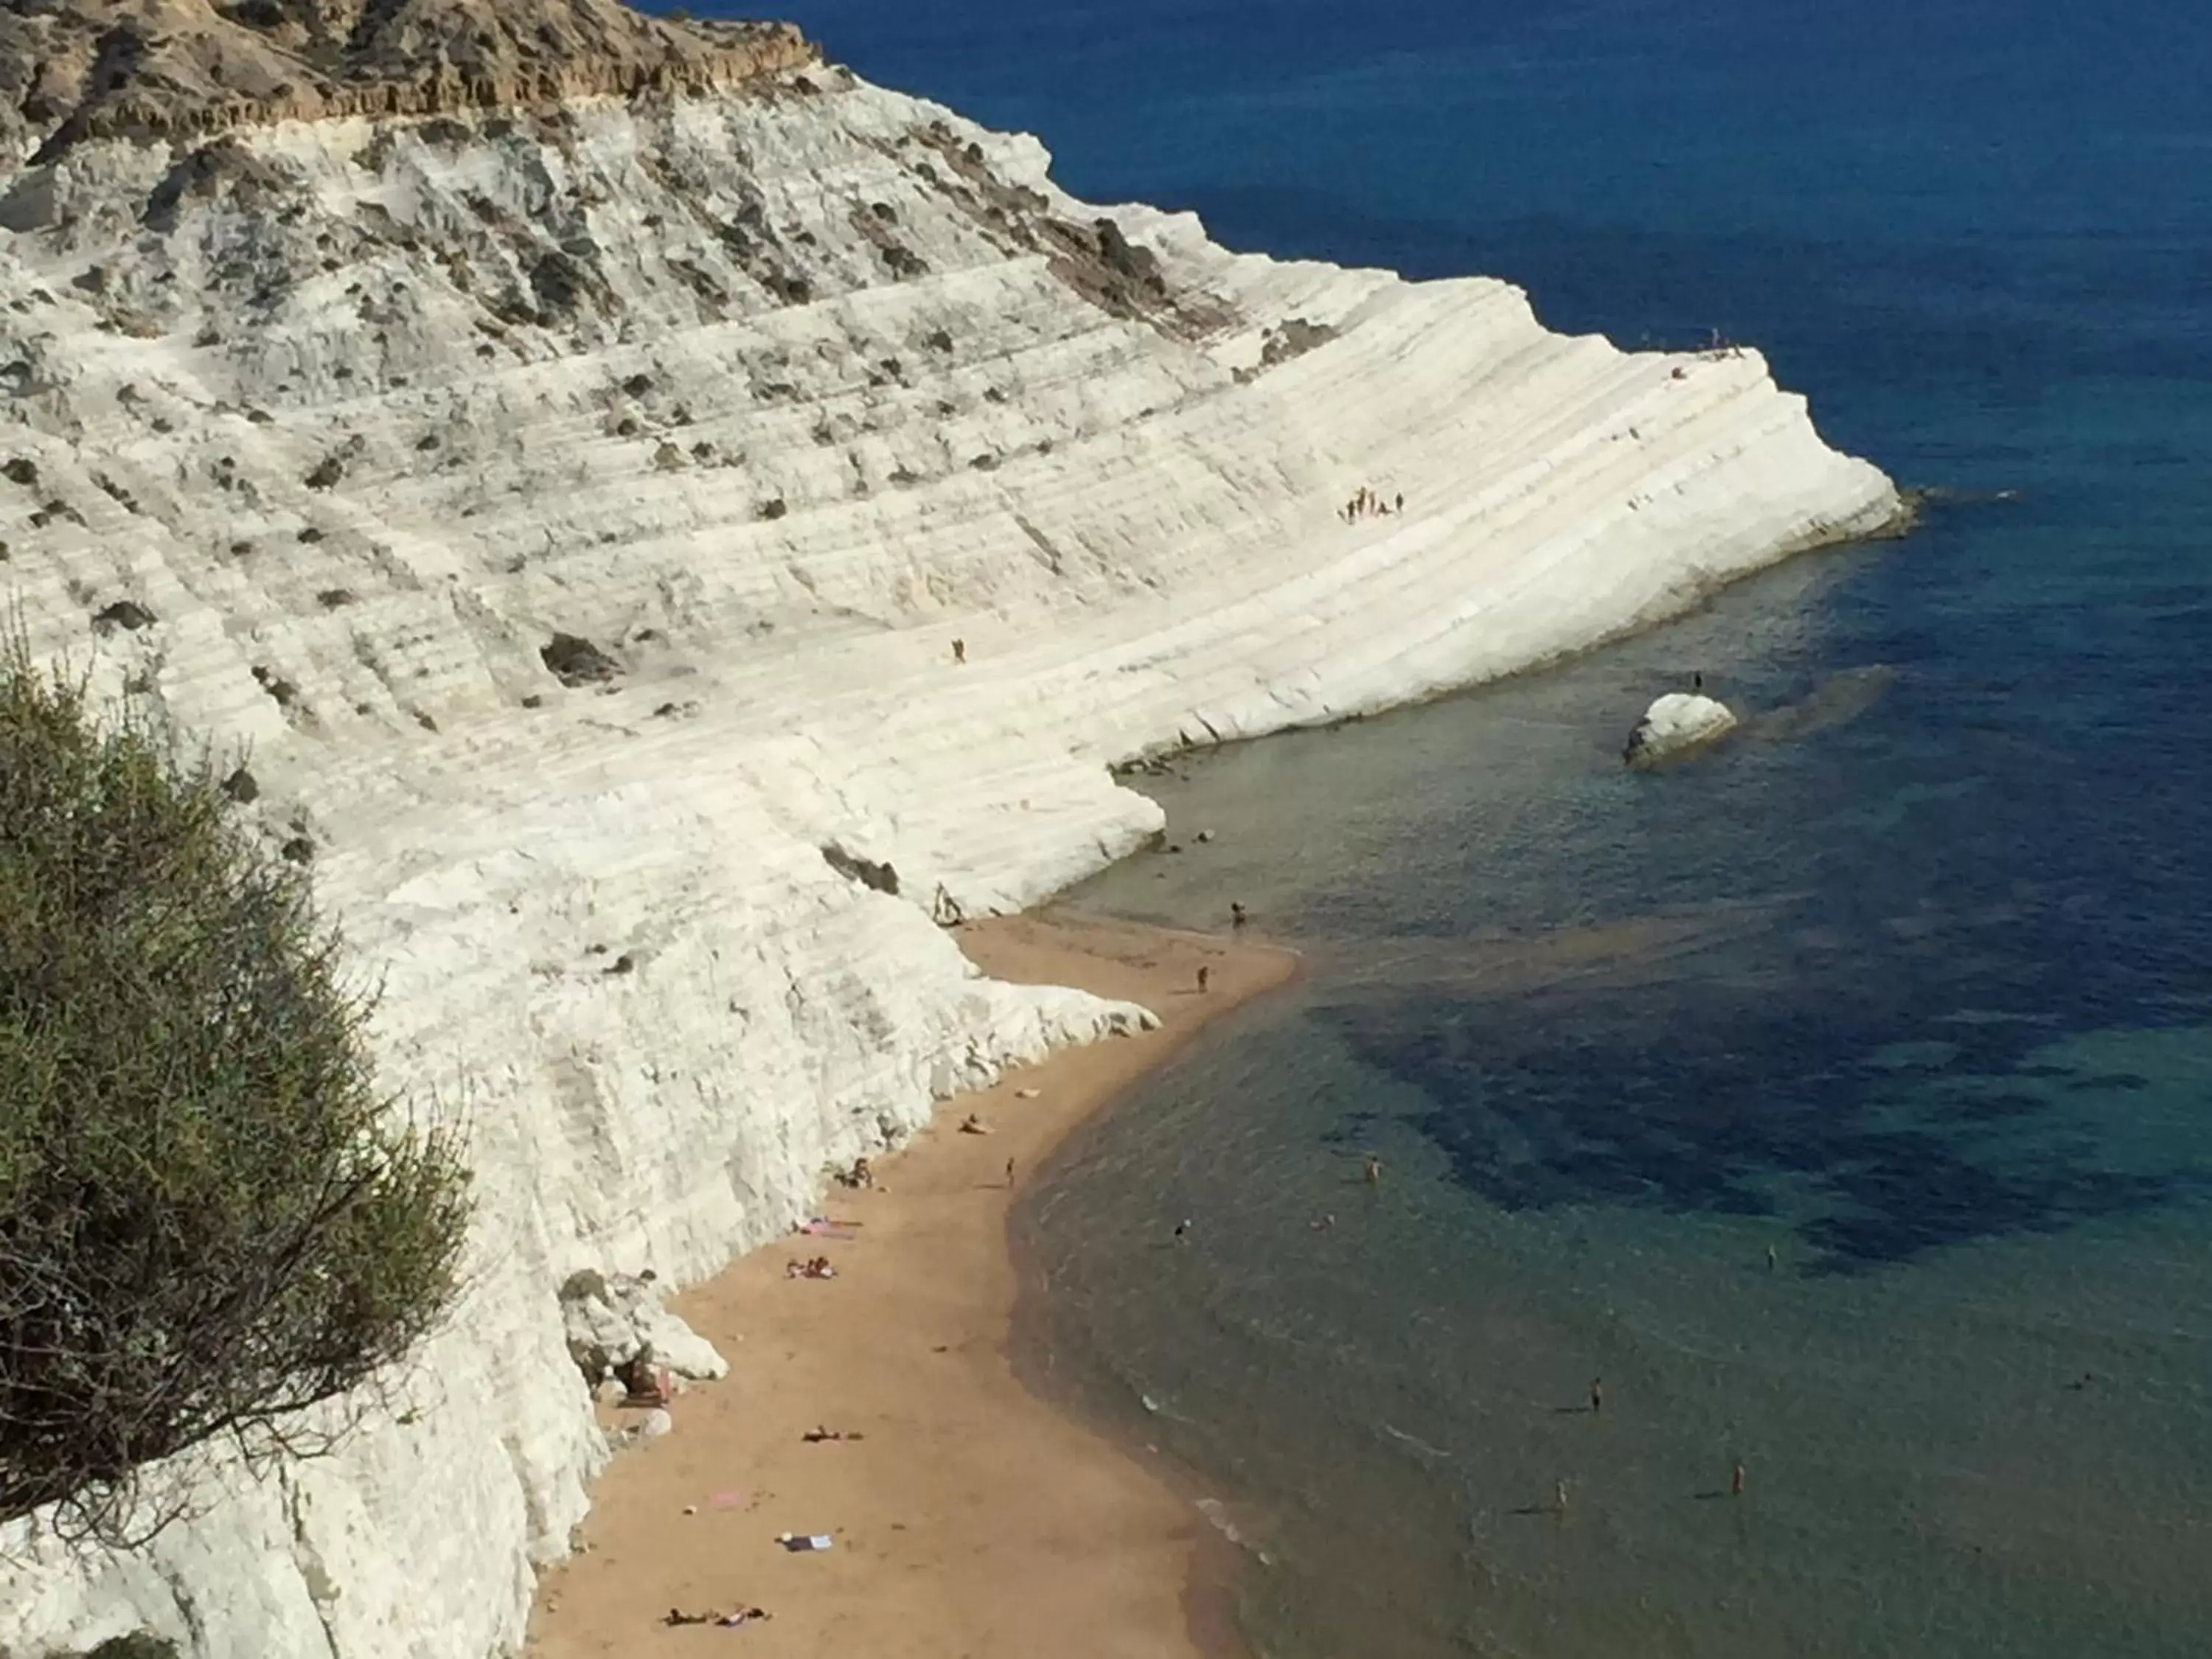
x,y
969,1518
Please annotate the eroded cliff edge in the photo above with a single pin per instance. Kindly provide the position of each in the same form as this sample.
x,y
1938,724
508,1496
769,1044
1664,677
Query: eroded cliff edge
x,y
175,69
571,492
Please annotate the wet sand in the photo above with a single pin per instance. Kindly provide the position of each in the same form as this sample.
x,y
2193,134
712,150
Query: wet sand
x,y
970,1518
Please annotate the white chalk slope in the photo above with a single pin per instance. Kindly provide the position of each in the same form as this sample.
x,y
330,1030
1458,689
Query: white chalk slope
x,y
360,416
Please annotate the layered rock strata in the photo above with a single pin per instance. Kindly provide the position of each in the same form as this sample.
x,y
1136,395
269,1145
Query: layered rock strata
x,y
660,557
177,69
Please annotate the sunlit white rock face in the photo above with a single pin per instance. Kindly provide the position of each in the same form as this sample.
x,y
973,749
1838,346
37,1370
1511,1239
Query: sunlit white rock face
x,y
320,435
1675,725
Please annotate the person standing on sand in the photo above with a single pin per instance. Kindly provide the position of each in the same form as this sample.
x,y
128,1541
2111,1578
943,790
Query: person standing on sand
x,y
1204,974
959,651
1010,1175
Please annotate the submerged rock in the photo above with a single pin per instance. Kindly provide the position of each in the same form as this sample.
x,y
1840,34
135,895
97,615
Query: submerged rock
x,y
1840,698
1675,725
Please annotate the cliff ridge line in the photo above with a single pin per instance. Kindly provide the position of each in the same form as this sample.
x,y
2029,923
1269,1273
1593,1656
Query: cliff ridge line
x,y
72,70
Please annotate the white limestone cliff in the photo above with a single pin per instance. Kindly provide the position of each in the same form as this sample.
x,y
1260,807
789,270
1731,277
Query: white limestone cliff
x,y
1675,725
319,433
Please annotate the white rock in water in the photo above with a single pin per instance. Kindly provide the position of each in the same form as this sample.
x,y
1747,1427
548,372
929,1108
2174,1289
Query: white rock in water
x,y
1675,725
576,516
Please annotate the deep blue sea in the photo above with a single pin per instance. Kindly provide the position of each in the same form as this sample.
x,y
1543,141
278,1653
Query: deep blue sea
x,y
1844,1099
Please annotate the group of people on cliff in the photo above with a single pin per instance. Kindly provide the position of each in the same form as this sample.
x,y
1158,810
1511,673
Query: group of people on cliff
x,y
1366,503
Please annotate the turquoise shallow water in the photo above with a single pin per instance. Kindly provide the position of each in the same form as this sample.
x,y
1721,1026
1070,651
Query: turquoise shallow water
x,y
1911,983
1616,1037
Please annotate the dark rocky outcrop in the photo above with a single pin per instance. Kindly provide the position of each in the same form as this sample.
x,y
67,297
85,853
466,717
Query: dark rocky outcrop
x,y
575,660
126,614
869,872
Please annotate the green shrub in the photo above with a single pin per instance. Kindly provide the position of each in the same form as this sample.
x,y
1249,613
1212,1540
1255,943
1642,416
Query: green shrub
x,y
209,1218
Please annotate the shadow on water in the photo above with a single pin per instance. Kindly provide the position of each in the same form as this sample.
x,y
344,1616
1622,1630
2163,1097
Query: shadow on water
x,y
1715,1122
1755,1060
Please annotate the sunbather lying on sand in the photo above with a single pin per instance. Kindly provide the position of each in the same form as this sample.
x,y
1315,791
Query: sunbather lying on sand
x,y
819,1267
736,1616
816,1436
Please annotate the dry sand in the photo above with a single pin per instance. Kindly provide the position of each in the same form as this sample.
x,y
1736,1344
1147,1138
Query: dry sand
x,y
971,1520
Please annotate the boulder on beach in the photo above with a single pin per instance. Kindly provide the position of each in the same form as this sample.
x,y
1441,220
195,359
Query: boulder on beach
x,y
1674,726
610,1318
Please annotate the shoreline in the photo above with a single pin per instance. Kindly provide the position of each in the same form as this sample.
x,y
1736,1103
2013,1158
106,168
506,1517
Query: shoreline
x,y
977,1516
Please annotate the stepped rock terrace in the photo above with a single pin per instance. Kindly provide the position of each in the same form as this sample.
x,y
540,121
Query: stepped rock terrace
x,y
660,554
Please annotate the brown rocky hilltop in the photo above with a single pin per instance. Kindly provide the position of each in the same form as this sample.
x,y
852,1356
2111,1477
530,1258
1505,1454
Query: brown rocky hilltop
x,y
72,69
